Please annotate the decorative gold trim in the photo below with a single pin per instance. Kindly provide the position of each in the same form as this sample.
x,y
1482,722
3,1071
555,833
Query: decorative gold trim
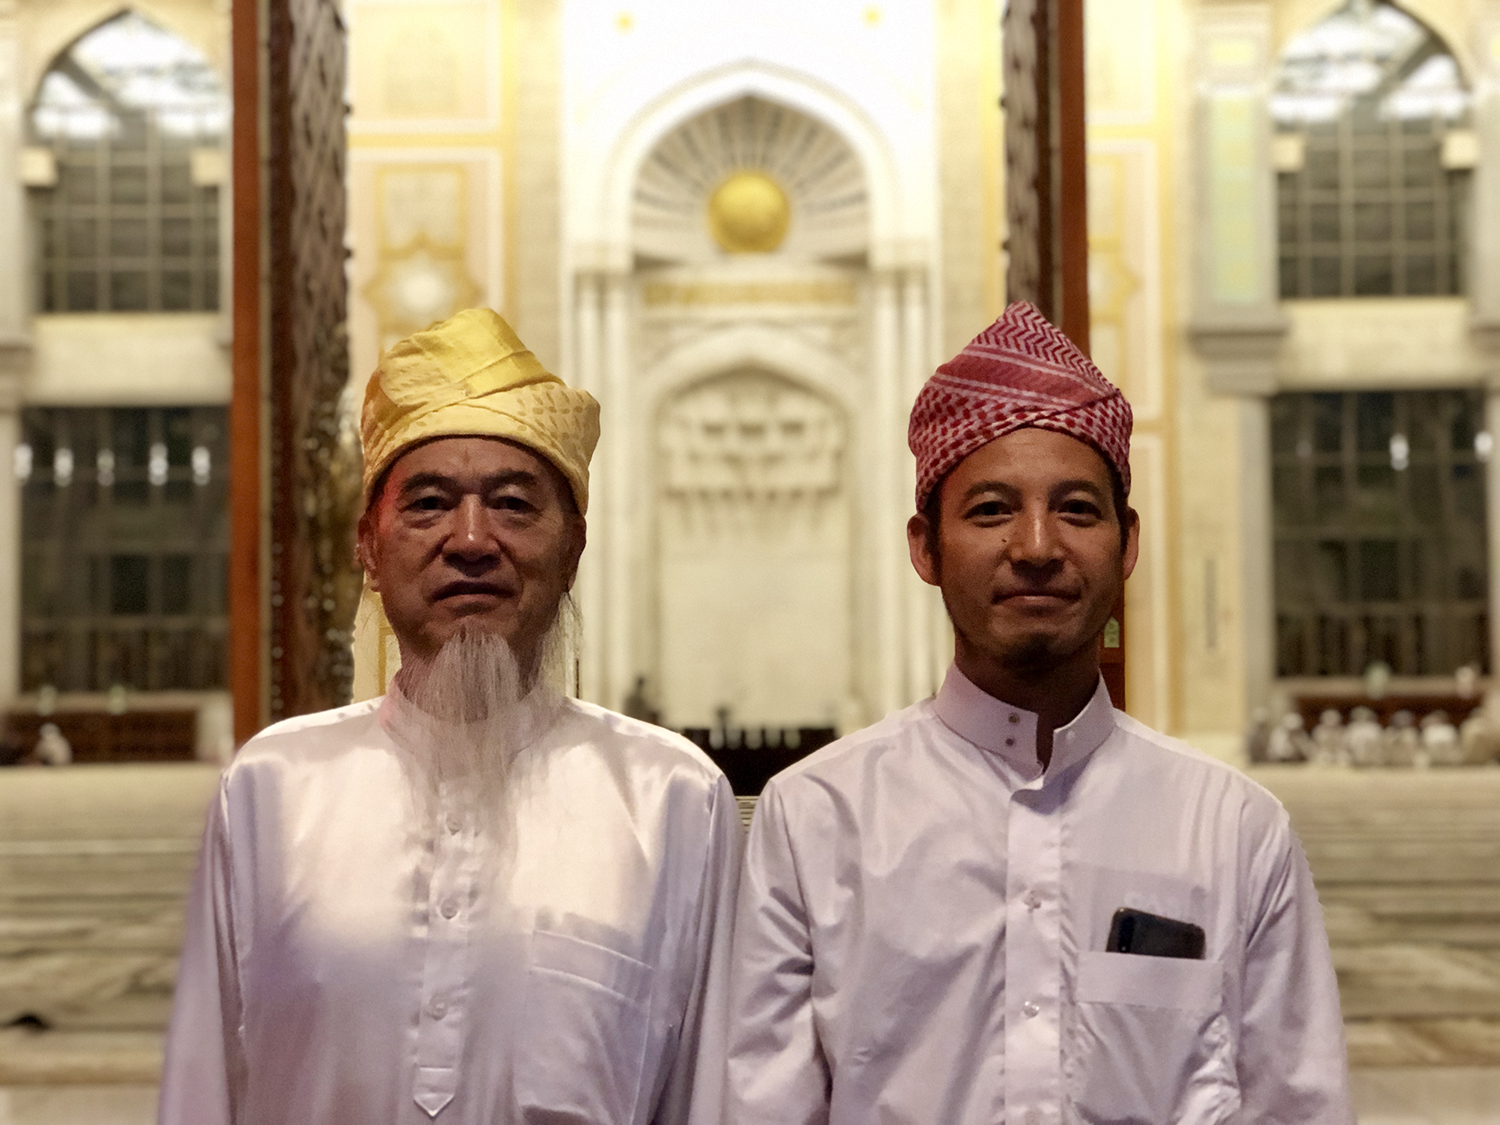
x,y
659,293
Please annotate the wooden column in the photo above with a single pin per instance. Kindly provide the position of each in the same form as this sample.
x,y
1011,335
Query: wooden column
x,y
294,586
246,660
1046,186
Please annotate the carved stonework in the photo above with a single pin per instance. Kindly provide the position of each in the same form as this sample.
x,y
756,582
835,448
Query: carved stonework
x,y
749,451
753,541
314,471
750,177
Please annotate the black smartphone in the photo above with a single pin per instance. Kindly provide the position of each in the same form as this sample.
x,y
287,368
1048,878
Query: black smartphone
x,y
1135,931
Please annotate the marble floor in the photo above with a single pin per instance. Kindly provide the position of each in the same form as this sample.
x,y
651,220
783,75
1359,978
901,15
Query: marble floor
x,y
1407,865
94,862
1426,1096
1405,1096
78,1105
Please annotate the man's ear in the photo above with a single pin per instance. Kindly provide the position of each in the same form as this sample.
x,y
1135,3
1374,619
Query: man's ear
x,y
1132,540
364,547
578,537
917,543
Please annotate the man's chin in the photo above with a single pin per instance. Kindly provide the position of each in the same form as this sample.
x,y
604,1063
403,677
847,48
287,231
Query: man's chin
x,y
1034,655
474,621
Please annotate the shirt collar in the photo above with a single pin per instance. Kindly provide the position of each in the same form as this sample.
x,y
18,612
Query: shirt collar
x,y
1010,732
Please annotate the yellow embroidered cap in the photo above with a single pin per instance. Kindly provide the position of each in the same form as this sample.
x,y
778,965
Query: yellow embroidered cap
x,y
470,375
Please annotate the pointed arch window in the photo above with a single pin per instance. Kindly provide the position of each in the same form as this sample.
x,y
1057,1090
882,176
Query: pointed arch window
x,y
1373,150
127,133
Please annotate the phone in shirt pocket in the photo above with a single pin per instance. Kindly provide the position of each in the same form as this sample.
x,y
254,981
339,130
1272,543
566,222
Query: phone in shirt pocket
x,y
1153,1040
1151,935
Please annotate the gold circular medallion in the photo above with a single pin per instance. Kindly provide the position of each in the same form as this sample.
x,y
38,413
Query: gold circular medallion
x,y
749,214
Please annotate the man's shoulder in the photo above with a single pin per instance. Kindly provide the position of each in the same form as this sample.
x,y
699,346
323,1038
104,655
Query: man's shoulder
x,y
306,734
846,759
1191,769
635,739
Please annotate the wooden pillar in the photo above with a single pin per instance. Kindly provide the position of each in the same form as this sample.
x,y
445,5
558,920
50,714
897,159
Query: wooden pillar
x,y
1046,185
246,619
294,586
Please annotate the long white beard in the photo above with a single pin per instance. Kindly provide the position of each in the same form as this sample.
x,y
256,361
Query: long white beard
x,y
465,718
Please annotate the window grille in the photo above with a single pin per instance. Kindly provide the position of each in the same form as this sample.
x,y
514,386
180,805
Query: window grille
x,y
126,216
1371,120
1380,551
125,548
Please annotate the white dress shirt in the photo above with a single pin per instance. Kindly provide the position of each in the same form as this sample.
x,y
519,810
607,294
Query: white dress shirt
x,y
923,918
344,967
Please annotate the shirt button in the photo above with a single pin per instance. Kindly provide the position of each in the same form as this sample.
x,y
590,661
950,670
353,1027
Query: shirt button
x,y
1033,900
1031,1008
437,1008
455,826
1010,742
449,907
1014,717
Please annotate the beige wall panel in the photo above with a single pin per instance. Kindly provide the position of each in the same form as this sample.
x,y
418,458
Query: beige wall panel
x,y
533,187
424,225
971,156
127,359
1207,648
1122,45
1379,342
1125,284
1148,641
1232,131
424,65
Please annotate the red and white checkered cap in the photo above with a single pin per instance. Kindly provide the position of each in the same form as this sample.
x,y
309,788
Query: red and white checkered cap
x,y
1018,372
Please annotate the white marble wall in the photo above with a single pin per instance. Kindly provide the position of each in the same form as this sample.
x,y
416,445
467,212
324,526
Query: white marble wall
x,y
630,79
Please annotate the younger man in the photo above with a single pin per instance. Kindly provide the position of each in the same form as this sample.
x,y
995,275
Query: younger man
x,y
928,907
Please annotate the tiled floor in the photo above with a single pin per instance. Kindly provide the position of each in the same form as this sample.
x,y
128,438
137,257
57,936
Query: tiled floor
x,y
94,863
1428,1096
1405,1096
78,1105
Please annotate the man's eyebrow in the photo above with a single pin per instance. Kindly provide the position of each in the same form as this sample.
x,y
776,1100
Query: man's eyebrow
x,y
979,487
1080,484
443,481
1062,487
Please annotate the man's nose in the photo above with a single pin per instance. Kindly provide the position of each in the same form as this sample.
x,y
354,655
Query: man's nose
x,y
471,536
1035,541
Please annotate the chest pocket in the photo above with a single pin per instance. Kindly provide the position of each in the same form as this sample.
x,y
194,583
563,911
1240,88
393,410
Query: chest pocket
x,y
1153,1041
582,1041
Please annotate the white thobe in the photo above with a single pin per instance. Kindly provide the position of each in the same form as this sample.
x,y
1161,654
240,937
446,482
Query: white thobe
x,y
923,919
344,967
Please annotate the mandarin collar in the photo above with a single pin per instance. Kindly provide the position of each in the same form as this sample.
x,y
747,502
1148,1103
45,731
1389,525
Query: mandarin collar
x,y
409,727
1010,732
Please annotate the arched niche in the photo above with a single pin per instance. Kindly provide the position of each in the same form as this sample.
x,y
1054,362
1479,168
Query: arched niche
x,y
603,231
132,120
56,27
750,177
753,552
1449,19
1373,149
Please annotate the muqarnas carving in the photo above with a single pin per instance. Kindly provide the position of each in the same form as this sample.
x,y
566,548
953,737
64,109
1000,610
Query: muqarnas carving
x,y
750,454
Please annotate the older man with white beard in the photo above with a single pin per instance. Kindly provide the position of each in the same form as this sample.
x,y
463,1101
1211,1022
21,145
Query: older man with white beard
x,y
474,900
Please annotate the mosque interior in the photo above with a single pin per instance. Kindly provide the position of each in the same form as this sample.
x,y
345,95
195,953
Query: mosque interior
x,y
752,232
